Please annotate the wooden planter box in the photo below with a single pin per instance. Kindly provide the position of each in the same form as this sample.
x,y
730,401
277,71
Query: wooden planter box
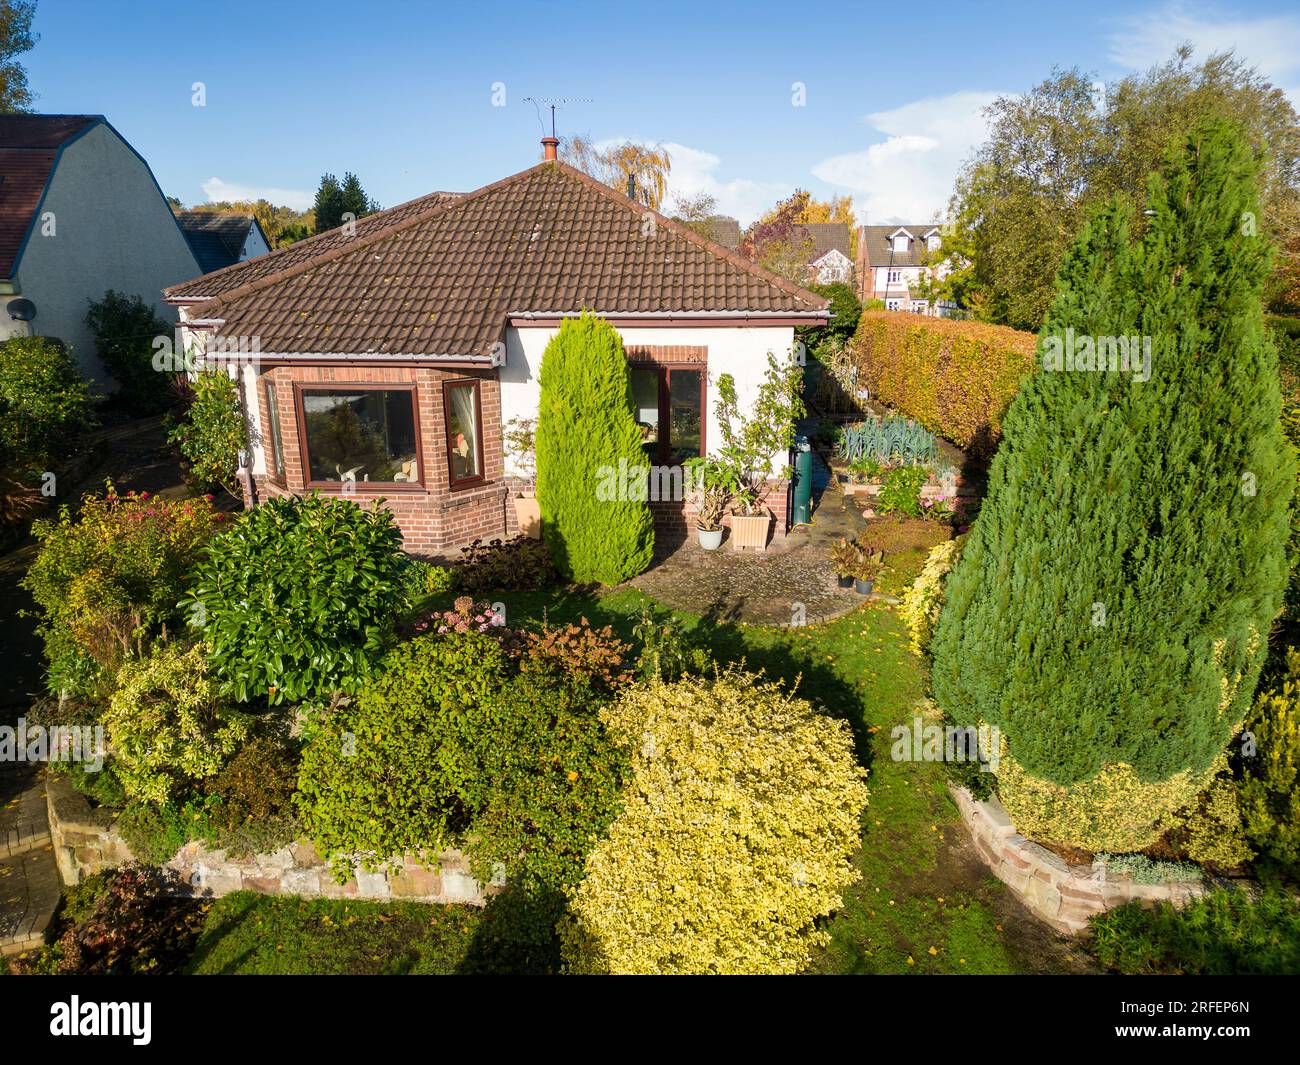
x,y
528,512
750,530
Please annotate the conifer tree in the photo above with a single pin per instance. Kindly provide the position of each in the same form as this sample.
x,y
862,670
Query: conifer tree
x,y
1110,611
591,469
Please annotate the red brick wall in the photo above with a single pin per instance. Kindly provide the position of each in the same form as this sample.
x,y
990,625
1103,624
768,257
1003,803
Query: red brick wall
x,y
434,519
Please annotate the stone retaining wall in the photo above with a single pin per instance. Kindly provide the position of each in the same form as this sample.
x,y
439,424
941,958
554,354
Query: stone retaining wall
x,y
1063,895
86,841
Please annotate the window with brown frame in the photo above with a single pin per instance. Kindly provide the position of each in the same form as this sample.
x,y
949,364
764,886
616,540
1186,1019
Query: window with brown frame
x,y
670,405
463,415
355,434
273,428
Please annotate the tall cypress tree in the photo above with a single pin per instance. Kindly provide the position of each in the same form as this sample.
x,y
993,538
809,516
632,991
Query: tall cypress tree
x,y
1112,605
589,457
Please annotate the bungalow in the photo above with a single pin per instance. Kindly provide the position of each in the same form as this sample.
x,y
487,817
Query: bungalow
x,y
386,362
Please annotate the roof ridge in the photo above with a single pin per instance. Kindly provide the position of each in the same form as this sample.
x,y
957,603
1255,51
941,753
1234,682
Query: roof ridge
x,y
356,243
733,257
298,245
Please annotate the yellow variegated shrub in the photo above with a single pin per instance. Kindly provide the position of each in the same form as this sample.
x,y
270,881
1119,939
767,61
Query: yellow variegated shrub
x,y
735,836
923,599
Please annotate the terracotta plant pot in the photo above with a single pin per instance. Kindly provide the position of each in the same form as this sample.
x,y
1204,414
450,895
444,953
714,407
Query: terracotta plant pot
x,y
710,539
750,530
528,512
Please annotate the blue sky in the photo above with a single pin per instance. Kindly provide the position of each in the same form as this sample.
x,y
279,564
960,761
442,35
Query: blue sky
x,y
401,93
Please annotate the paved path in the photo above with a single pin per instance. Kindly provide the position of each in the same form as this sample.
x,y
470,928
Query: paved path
x,y
137,457
782,587
29,878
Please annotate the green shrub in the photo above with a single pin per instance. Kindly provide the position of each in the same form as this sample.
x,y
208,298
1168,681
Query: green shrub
x,y
388,774
520,564
667,652
254,811
733,844
124,328
553,781
166,724
955,378
107,581
212,432
422,580
1108,615
587,437
156,831
445,747
44,403
298,599
1225,933
1270,786
901,491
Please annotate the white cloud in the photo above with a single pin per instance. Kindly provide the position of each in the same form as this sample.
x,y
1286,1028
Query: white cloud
x,y
909,175
1269,42
695,171
218,191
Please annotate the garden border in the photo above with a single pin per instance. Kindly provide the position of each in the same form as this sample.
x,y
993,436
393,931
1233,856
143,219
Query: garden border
x,y
86,841
1062,895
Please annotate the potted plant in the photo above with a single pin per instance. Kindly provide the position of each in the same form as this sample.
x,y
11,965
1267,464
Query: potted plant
x,y
751,443
521,448
844,557
866,568
710,488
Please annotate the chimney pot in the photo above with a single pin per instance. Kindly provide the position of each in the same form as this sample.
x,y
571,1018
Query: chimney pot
x,y
549,147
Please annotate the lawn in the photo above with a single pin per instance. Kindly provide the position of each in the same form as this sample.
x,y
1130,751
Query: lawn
x,y
924,904
261,934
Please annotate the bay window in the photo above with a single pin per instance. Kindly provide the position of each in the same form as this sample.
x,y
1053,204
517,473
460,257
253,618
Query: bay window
x,y
359,434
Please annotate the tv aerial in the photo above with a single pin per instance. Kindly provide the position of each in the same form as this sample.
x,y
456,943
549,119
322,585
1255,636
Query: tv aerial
x,y
554,102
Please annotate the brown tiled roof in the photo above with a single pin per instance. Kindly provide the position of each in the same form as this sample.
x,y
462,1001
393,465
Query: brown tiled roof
x,y
443,280
826,236
876,245
221,281
29,145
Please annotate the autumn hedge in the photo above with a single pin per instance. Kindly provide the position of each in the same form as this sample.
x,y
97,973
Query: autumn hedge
x,y
955,378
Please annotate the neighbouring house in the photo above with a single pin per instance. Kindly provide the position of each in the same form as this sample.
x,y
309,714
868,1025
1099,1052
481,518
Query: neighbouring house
x,y
830,257
389,361
222,238
895,261
80,213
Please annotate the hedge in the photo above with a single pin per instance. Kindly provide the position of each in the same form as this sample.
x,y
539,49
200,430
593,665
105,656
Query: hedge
x,y
956,378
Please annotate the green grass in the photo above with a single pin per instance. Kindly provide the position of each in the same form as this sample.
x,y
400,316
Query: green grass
x,y
264,935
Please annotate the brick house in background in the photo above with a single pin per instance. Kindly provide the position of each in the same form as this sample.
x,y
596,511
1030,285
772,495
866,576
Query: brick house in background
x,y
893,260
831,256
392,359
